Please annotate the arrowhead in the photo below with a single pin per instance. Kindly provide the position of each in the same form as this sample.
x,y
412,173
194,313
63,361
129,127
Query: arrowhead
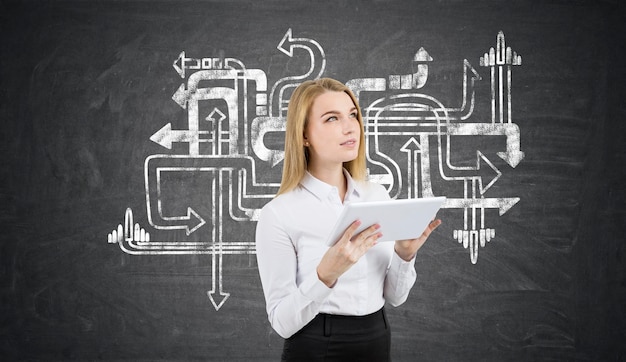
x,y
253,214
217,299
179,64
513,158
411,145
194,218
422,56
468,66
506,204
480,156
275,157
163,136
286,38
180,96
211,116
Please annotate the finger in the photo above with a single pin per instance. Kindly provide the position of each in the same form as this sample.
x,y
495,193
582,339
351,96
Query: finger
x,y
431,227
366,235
434,224
375,238
349,233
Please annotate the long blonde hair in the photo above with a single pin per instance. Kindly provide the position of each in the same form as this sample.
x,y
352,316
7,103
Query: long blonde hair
x,y
296,155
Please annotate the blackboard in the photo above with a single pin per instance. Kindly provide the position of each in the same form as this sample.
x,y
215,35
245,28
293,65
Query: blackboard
x,y
141,138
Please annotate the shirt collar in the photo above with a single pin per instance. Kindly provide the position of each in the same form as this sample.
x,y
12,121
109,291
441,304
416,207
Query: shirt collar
x,y
321,189
353,187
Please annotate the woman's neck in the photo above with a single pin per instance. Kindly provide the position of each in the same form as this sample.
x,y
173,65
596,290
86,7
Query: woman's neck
x,y
331,175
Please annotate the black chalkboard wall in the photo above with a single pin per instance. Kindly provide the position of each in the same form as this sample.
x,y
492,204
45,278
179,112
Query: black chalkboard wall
x,y
141,139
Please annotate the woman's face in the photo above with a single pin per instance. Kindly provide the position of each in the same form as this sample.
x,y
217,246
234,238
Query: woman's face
x,y
333,130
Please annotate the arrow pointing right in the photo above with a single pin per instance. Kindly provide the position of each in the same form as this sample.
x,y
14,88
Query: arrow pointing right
x,y
503,204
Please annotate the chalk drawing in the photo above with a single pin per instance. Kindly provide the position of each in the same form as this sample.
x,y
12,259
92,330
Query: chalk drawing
x,y
225,140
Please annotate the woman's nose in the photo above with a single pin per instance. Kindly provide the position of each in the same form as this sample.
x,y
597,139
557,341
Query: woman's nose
x,y
349,124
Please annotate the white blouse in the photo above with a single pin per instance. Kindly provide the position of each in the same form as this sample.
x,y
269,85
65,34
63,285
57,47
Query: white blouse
x,y
290,242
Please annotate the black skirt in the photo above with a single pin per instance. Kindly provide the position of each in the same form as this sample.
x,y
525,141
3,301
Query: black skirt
x,y
341,338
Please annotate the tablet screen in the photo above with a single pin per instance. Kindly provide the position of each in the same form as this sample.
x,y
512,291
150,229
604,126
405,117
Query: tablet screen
x,y
398,219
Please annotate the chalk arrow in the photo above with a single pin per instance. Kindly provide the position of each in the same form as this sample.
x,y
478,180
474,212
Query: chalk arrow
x,y
502,204
181,96
166,136
218,301
194,221
190,222
258,129
281,46
412,149
179,64
278,99
513,157
216,294
214,112
411,145
421,76
480,156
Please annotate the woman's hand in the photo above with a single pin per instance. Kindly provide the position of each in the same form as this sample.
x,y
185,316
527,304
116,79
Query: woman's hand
x,y
406,249
346,252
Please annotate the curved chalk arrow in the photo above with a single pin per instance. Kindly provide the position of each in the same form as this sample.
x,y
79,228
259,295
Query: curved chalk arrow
x,y
287,44
258,129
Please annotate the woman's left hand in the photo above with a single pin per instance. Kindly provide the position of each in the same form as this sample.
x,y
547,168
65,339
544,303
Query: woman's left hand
x,y
406,249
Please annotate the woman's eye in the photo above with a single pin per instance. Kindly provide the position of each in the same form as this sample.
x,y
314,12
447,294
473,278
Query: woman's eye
x,y
353,115
331,119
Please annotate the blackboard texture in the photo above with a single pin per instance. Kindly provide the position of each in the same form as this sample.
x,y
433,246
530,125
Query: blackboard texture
x,y
140,140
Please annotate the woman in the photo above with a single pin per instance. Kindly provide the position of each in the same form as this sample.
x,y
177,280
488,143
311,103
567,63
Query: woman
x,y
327,302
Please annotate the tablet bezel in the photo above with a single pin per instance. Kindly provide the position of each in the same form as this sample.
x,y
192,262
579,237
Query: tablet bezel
x,y
398,219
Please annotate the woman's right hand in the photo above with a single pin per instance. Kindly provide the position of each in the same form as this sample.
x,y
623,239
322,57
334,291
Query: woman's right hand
x,y
346,252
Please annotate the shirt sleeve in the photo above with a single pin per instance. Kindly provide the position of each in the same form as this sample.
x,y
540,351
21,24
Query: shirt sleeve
x,y
290,306
400,279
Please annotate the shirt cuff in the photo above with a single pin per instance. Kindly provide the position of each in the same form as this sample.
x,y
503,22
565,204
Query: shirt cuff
x,y
315,290
401,265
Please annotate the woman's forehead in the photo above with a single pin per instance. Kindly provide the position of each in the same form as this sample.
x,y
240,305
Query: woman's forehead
x,y
331,101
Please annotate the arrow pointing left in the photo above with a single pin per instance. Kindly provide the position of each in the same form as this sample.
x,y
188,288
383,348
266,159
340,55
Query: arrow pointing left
x,y
166,136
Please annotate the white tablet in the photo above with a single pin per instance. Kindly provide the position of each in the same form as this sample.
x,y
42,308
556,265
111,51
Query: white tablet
x,y
398,219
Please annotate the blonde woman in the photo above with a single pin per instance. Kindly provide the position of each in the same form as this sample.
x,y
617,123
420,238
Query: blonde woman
x,y
327,302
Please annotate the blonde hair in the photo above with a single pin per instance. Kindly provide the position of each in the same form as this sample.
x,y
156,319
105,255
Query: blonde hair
x,y
296,155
